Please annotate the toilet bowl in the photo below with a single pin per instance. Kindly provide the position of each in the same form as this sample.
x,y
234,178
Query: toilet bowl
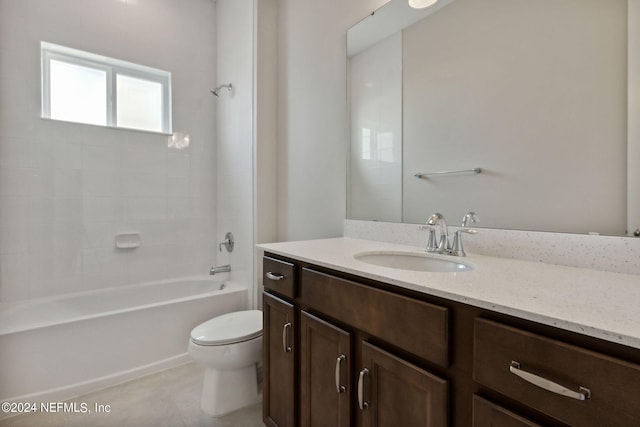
x,y
230,348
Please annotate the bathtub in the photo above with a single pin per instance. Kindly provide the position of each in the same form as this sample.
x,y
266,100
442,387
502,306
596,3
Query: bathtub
x,y
56,348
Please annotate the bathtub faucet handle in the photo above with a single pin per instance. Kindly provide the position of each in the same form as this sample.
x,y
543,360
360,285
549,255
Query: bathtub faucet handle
x,y
227,242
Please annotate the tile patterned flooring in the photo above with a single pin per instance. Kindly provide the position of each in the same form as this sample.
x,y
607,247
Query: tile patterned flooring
x,y
170,398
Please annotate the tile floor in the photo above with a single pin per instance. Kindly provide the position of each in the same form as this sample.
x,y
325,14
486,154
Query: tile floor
x,y
169,398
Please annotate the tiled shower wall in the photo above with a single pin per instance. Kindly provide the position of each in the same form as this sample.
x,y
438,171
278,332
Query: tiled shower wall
x,y
67,189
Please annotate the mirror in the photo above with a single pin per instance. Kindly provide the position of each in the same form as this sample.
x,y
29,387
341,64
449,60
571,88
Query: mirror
x,y
525,103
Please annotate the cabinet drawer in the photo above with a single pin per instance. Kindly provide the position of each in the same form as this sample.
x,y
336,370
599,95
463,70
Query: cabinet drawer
x,y
521,365
279,276
488,414
415,326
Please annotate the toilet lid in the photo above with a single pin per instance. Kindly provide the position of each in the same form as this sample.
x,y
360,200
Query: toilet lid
x,y
229,328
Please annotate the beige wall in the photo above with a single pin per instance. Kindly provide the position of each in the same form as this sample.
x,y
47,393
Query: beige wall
x,y
312,114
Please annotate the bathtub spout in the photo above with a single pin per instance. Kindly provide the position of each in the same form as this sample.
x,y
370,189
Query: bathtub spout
x,y
220,269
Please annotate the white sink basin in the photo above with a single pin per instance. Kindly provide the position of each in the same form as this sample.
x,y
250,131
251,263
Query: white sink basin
x,y
412,261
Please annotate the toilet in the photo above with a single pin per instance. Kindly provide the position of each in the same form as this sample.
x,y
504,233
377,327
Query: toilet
x,y
230,349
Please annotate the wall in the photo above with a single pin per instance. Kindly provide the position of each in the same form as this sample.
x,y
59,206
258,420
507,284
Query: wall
x,y
66,189
265,131
312,114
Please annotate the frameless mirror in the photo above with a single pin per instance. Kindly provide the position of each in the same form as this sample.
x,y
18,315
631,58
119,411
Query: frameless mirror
x,y
523,103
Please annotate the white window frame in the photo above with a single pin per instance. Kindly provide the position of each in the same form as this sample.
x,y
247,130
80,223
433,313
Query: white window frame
x,y
113,68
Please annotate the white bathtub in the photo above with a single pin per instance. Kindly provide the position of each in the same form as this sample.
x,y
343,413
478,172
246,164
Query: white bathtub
x,y
57,348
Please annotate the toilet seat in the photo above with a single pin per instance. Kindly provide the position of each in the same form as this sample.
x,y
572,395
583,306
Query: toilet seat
x,y
229,328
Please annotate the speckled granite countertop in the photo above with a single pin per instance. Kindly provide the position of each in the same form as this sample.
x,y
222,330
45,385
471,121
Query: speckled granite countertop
x,y
596,303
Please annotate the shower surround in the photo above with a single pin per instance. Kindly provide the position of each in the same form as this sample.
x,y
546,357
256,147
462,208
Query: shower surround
x,y
67,189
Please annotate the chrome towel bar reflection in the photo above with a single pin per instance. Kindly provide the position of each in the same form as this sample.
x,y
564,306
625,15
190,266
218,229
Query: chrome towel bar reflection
x,y
428,174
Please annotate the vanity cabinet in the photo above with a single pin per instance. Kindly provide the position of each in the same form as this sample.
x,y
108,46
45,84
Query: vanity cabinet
x,y
344,379
342,350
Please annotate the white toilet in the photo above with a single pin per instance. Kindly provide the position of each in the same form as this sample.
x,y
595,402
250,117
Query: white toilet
x,y
230,348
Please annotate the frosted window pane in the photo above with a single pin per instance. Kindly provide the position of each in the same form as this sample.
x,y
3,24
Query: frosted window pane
x,y
78,94
139,104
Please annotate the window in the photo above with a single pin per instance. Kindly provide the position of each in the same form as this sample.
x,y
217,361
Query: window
x,y
83,87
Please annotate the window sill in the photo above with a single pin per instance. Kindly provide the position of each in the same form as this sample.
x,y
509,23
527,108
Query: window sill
x,y
151,132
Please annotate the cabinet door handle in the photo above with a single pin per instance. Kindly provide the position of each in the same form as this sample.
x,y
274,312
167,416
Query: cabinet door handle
x,y
361,402
285,337
274,276
339,388
583,393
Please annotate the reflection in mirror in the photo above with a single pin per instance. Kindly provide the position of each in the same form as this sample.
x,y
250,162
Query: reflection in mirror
x,y
534,93
376,131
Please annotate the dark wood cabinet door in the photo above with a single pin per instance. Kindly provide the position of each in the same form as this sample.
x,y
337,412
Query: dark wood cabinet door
x,y
392,392
279,362
325,377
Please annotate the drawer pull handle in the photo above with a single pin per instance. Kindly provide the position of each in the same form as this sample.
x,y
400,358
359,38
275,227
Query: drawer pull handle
x,y
276,276
285,338
363,405
583,393
339,388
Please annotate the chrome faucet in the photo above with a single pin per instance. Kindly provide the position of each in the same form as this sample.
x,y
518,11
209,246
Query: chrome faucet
x,y
220,269
442,244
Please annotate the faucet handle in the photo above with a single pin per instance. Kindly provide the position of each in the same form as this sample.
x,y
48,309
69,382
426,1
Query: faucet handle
x,y
469,216
467,230
456,248
228,242
432,245
435,218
